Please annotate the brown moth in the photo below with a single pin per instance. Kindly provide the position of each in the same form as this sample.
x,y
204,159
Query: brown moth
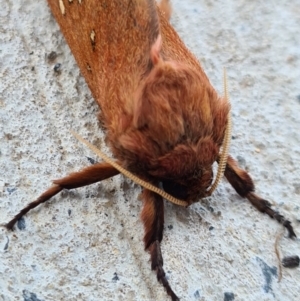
x,y
165,122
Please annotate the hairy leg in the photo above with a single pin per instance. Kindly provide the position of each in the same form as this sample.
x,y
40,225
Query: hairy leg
x,y
86,176
153,219
243,184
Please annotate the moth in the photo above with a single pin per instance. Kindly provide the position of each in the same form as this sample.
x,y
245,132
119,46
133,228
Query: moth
x,y
165,123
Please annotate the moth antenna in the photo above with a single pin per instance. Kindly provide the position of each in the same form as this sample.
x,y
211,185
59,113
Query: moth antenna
x,y
226,142
130,175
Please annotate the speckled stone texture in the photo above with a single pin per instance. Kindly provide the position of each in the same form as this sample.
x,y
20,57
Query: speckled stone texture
x,y
86,244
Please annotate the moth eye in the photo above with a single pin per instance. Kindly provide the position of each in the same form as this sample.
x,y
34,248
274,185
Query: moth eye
x,y
177,190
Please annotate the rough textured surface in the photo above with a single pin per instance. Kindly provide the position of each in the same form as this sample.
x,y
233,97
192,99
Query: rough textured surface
x,y
86,244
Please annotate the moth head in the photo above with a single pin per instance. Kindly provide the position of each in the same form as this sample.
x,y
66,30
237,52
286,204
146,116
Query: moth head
x,y
186,171
175,129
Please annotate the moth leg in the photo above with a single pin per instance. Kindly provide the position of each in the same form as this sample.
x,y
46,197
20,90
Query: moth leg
x,y
86,176
153,219
243,184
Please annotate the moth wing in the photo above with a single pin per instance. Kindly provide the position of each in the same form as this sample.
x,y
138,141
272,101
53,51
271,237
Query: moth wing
x,y
111,43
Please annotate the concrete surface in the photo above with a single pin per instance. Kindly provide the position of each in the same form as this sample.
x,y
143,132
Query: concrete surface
x,y
87,244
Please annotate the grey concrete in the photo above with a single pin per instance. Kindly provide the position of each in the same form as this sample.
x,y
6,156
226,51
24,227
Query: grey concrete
x,y
87,244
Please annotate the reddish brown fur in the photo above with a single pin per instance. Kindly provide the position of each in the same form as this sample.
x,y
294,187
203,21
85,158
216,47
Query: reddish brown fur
x,y
175,127
153,106
164,120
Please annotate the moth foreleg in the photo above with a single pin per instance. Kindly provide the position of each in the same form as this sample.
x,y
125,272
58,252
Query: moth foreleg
x,y
243,184
86,176
153,219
